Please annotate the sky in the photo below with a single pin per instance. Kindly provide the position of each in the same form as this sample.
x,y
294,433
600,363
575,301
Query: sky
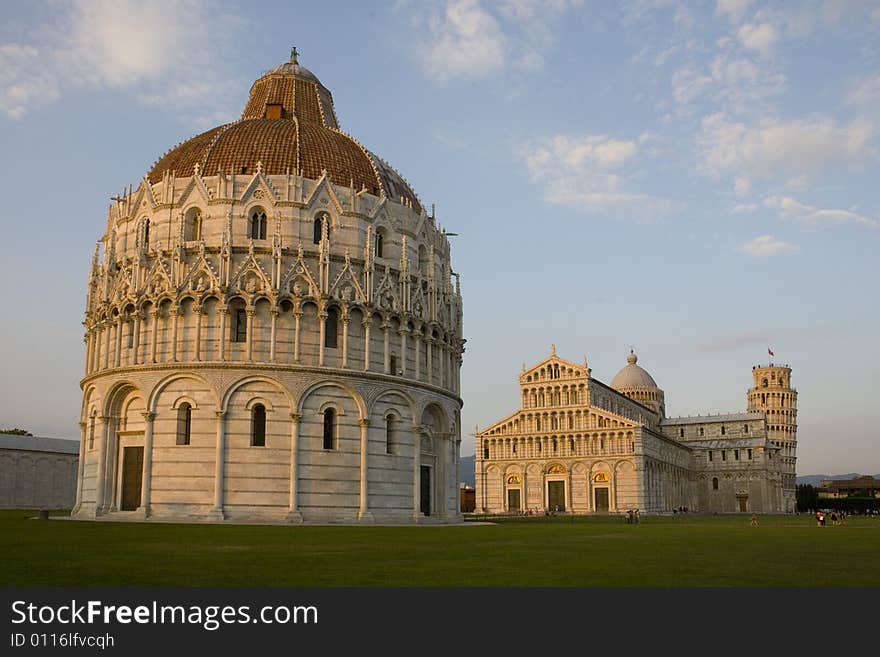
x,y
697,180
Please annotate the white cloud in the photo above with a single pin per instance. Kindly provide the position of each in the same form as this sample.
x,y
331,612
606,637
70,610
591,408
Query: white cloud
x,y
796,148
767,245
734,9
760,37
812,216
727,80
470,39
742,186
592,173
865,93
120,44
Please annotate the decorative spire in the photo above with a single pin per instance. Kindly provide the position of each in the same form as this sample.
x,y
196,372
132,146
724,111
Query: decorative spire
x,y
293,55
552,349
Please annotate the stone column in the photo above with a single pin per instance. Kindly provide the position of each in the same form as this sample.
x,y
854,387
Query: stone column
x,y
418,345
100,482
106,335
366,324
364,514
87,339
117,327
345,321
249,338
221,339
154,332
79,467
322,330
293,514
198,312
136,339
217,511
386,366
174,314
274,313
441,355
402,334
417,473
146,480
525,488
297,314
430,364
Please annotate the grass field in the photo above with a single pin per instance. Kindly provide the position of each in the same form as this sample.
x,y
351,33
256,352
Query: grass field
x,y
586,551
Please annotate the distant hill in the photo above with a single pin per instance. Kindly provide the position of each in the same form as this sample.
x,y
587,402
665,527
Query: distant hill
x,y
466,474
814,480
466,470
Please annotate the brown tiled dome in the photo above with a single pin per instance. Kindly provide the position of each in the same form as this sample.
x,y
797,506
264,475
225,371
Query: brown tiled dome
x,y
289,125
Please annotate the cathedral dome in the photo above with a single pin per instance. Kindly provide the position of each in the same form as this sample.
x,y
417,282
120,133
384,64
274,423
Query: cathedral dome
x,y
288,125
632,376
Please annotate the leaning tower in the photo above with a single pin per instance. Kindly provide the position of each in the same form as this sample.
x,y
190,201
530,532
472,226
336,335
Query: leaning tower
x,y
773,395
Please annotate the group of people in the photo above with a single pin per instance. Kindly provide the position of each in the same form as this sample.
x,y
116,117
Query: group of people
x,y
633,517
837,518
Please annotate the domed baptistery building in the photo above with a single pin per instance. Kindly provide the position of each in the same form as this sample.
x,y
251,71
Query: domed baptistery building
x,y
272,331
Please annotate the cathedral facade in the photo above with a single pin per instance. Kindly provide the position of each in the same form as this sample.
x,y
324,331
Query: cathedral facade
x,y
272,331
579,445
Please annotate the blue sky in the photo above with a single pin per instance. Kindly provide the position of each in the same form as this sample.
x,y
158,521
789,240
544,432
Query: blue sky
x,y
696,179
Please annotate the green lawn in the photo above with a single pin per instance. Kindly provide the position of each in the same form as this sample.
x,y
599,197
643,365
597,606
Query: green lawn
x,y
661,551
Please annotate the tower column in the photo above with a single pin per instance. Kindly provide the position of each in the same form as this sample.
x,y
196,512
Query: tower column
x,y
146,480
364,514
220,456
198,351
293,514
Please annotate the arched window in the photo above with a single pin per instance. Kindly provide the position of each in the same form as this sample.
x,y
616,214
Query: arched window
x,y
145,236
318,232
380,244
329,428
258,426
239,324
258,224
423,260
92,432
392,365
485,449
714,483
184,423
390,437
764,383
331,328
193,225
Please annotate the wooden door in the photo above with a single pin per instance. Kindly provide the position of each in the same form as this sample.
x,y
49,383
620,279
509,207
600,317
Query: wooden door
x,y
513,500
132,476
556,495
426,490
602,500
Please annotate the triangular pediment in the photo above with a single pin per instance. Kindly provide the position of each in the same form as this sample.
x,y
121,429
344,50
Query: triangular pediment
x,y
251,278
316,196
259,189
195,189
158,280
539,370
298,280
346,287
201,277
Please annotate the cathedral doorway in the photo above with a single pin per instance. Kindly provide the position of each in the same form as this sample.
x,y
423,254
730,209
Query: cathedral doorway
x,y
513,500
742,499
425,490
601,495
132,477
556,495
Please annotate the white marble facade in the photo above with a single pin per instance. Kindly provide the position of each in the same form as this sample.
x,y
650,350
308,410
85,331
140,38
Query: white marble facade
x,y
272,345
577,445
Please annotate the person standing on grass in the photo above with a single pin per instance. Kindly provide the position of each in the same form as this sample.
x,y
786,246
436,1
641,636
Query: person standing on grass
x,y
754,520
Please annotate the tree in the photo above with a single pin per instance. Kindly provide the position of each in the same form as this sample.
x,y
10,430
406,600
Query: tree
x,y
807,497
16,432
